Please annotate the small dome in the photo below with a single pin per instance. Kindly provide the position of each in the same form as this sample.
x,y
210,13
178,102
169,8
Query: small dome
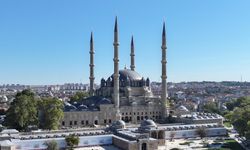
x,y
182,108
92,107
69,108
104,101
148,123
67,104
119,124
134,103
82,107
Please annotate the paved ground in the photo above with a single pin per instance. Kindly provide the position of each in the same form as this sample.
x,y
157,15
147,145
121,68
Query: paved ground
x,y
110,147
187,144
193,144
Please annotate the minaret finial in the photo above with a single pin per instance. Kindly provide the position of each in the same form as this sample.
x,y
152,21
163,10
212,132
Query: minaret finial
x,y
91,65
132,55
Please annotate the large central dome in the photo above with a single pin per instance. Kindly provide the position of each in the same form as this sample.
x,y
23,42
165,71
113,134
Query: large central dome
x,y
127,73
127,78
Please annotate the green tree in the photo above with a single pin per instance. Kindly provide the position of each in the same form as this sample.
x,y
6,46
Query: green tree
x,y
228,115
72,141
201,132
51,145
247,133
239,115
22,111
240,102
240,118
79,96
211,107
50,113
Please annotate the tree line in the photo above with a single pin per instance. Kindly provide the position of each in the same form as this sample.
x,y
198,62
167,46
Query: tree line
x,y
239,115
27,110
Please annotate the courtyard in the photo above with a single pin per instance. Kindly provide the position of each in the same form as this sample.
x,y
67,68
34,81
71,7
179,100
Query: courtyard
x,y
212,143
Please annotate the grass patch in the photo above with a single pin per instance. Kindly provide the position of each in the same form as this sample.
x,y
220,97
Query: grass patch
x,y
227,124
185,143
218,141
219,149
232,144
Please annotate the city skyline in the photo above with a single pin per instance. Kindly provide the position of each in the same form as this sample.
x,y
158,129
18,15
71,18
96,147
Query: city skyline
x,y
48,42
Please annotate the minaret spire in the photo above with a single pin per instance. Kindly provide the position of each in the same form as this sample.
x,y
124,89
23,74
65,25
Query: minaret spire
x,y
164,72
91,66
116,97
132,55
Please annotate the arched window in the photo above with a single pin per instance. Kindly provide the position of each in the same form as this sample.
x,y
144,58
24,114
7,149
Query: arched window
x,y
144,146
96,122
161,135
154,135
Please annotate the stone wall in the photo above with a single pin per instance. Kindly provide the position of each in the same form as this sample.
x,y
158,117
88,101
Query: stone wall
x,y
220,131
121,143
106,115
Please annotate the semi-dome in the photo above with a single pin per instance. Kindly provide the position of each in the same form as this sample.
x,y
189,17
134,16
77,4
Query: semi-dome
x,y
148,123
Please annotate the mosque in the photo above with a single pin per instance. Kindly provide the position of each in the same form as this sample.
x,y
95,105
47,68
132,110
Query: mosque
x,y
125,95
124,102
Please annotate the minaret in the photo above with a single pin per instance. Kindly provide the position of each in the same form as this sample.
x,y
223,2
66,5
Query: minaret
x,y
91,66
116,72
164,73
132,55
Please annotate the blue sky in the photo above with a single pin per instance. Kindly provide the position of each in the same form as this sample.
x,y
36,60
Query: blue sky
x,y
47,42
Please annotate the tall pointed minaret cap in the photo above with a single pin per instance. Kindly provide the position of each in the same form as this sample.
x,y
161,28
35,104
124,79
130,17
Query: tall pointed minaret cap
x,y
132,41
91,37
132,55
91,42
116,26
164,34
163,30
